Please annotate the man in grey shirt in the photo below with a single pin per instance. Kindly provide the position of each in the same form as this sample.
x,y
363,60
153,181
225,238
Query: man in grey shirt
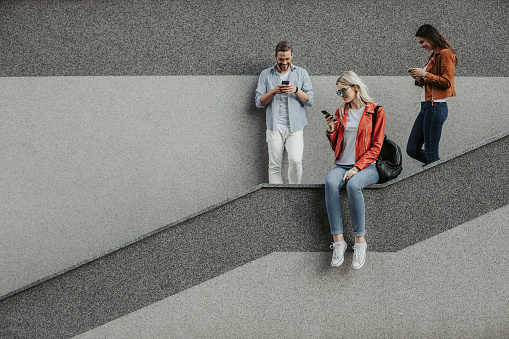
x,y
284,90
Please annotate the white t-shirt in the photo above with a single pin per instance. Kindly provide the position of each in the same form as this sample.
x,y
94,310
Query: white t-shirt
x,y
283,118
347,156
423,93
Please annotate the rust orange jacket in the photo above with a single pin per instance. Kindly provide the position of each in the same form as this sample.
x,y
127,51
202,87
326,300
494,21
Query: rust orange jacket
x,y
439,80
366,149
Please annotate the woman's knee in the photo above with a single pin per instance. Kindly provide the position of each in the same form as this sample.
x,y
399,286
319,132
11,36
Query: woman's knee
x,y
353,187
332,181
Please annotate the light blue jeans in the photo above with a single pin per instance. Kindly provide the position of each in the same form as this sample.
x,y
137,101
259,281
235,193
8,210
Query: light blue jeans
x,y
333,182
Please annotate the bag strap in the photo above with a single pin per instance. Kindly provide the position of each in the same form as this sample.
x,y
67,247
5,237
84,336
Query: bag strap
x,y
374,119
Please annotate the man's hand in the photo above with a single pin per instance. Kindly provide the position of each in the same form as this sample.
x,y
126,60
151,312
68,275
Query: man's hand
x,y
288,89
283,89
267,97
278,89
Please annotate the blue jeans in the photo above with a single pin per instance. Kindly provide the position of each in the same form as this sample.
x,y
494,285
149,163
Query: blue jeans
x,y
427,131
333,182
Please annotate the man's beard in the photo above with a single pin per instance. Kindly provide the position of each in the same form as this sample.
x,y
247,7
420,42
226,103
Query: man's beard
x,y
282,67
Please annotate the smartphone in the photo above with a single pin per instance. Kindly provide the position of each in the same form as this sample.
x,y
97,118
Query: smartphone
x,y
328,115
285,82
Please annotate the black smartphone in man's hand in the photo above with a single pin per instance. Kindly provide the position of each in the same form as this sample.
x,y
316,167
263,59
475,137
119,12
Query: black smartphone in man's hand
x,y
285,82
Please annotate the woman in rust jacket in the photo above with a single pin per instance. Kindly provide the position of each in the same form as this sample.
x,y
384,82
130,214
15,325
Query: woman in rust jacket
x,y
437,82
356,146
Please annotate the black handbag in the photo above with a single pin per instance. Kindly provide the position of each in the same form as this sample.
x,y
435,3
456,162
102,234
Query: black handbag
x,y
389,163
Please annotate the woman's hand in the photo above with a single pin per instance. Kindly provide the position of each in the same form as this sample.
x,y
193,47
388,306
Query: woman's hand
x,y
417,73
330,120
350,173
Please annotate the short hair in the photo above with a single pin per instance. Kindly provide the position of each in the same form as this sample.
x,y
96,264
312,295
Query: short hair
x,y
283,46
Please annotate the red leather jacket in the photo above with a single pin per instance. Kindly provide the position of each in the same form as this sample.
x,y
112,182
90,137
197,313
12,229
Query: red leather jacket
x,y
366,149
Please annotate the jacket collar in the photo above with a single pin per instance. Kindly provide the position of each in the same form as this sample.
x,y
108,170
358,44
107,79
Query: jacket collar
x,y
435,54
370,108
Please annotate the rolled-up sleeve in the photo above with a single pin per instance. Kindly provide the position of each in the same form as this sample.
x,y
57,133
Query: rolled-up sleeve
x,y
307,87
261,89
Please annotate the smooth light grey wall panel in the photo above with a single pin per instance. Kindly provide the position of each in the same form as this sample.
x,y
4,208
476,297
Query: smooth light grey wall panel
x,y
269,218
89,163
195,37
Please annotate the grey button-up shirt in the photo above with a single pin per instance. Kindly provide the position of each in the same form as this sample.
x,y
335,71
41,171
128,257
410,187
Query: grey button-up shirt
x,y
269,78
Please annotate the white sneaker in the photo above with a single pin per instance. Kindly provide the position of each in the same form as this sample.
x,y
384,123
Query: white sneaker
x,y
359,255
338,253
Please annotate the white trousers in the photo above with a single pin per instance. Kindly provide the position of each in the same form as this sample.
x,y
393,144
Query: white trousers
x,y
277,141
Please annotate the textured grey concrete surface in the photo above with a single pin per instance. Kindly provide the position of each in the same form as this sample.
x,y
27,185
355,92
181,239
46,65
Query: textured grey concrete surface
x,y
89,163
270,219
453,285
92,162
193,37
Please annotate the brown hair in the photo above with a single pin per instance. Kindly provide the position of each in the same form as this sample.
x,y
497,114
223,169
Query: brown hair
x,y
433,34
283,46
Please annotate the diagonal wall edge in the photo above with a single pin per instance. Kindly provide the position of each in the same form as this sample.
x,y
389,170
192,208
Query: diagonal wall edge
x,y
265,220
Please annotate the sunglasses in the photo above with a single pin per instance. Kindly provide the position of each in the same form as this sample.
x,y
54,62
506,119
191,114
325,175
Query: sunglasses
x,y
288,60
342,91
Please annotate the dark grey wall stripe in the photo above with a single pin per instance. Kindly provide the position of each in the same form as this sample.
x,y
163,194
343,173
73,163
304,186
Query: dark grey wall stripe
x,y
195,37
269,219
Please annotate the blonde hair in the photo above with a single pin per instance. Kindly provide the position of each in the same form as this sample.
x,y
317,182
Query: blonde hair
x,y
350,78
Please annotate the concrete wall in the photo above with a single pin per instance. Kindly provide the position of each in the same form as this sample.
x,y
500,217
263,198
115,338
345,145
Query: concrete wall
x,y
192,37
119,118
275,218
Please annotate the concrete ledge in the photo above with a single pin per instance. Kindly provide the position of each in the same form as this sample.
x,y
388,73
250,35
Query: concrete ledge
x,y
266,219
